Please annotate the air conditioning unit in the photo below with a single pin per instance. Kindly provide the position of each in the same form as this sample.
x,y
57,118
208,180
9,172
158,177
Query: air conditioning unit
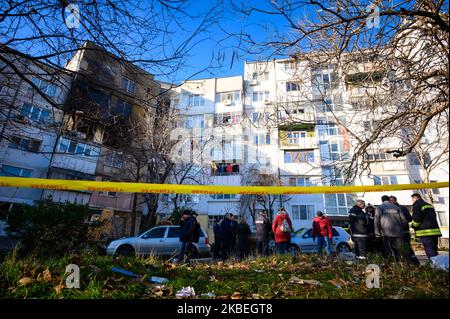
x,y
22,119
227,102
267,102
253,82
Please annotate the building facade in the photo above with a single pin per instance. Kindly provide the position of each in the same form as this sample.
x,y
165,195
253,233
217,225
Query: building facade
x,y
290,123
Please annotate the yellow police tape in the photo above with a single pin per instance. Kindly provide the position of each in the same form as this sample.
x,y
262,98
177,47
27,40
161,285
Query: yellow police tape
x,y
67,185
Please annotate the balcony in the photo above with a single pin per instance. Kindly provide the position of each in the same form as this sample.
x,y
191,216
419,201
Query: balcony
x,y
298,143
74,163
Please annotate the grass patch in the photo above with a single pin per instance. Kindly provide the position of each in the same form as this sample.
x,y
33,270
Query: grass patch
x,y
269,277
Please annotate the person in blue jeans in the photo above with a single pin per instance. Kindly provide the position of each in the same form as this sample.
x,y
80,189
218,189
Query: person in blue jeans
x,y
323,231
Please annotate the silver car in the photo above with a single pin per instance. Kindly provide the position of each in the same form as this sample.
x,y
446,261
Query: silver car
x,y
160,240
302,241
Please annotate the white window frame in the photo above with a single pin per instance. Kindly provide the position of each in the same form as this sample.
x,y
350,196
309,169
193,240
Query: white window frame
x,y
297,213
129,85
260,96
196,100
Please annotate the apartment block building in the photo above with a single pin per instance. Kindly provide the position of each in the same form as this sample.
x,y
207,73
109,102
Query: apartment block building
x,y
290,120
83,135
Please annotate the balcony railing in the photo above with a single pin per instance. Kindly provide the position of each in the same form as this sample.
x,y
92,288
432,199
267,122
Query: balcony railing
x,y
299,143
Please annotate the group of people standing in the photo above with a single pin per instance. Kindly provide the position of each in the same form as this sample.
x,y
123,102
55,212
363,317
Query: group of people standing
x,y
385,229
231,237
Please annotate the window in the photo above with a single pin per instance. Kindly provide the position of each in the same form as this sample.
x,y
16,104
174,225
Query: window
x,y
174,232
123,108
443,218
292,86
302,212
231,96
255,117
290,65
128,85
338,204
223,196
189,198
321,82
300,181
328,130
385,180
260,96
226,169
298,156
293,138
114,159
24,143
8,170
414,159
155,233
380,156
336,153
35,113
264,76
261,139
227,119
194,121
77,148
46,87
196,100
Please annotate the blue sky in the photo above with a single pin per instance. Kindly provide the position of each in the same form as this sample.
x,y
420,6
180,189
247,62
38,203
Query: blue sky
x,y
216,52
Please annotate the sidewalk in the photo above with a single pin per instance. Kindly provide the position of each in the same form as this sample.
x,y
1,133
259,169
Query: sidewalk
x,y
422,257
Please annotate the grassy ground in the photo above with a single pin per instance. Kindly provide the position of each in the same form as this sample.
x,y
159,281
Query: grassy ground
x,y
272,277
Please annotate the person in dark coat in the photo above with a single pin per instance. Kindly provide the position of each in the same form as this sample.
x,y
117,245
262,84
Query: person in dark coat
x,y
217,240
359,228
374,244
243,244
233,239
262,233
425,225
226,233
406,232
389,225
187,227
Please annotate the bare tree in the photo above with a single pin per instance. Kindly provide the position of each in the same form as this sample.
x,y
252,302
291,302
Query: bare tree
x,y
392,55
251,203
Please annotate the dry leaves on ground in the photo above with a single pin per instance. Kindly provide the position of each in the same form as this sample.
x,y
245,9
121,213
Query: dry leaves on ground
x,y
25,281
309,282
339,283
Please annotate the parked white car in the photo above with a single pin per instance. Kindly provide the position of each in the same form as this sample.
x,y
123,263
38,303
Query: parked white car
x,y
160,240
302,241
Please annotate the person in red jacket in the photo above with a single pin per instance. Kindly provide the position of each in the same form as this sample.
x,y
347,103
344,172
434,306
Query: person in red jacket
x,y
321,228
282,228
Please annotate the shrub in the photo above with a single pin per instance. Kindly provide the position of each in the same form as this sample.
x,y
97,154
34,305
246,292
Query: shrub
x,y
49,228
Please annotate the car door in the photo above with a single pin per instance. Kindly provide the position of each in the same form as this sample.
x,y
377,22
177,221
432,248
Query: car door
x,y
152,241
336,239
172,243
307,244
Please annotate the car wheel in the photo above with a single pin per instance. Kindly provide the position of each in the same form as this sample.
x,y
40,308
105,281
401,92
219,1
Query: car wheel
x,y
294,250
343,248
125,250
